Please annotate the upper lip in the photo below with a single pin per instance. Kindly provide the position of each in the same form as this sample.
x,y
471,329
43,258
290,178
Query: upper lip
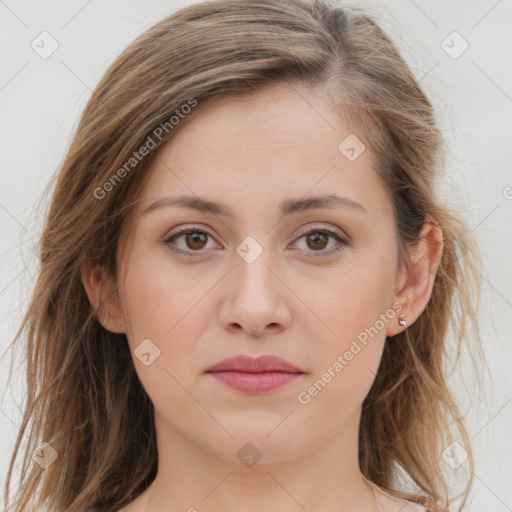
x,y
260,364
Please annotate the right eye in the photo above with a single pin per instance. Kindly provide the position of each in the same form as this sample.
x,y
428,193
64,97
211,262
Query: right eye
x,y
193,241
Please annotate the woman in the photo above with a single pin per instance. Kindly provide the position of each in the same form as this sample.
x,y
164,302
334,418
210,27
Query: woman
x,y
247,279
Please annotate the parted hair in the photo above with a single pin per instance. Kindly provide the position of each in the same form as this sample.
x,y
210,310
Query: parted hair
x,y
83,395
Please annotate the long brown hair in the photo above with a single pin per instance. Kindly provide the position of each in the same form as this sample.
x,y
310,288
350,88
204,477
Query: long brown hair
x,y
82,389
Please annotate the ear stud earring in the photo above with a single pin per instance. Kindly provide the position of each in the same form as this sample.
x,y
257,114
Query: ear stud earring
x,y
401,320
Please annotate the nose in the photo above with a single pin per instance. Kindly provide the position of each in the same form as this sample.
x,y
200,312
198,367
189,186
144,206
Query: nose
x,y
255,299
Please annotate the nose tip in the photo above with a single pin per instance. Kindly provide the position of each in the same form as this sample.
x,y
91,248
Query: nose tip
x,y
254,301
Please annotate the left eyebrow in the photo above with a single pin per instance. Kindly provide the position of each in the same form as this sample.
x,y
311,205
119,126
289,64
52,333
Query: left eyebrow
x,y
300,205
287,207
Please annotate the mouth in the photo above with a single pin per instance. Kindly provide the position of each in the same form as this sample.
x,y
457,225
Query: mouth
x,y
250,375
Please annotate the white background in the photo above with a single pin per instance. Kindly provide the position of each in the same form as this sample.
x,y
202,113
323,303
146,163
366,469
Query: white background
x,y
41,99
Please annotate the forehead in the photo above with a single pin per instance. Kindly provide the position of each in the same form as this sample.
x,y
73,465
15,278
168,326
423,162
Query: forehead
x,y
277,121
275,131
268,145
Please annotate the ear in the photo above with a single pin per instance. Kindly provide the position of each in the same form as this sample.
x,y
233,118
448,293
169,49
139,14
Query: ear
x,y
416,282
103,296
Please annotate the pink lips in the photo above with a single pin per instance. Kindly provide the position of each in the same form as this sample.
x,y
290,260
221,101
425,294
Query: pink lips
x,y
249,375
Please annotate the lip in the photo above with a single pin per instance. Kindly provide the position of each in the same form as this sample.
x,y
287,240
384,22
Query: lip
x,y
255,375
255,365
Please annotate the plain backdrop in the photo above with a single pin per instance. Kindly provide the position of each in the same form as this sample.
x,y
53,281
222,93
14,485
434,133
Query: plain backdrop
x,y
42,98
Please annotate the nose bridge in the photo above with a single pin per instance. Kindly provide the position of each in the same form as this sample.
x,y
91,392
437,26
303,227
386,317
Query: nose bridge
x,y
254,256
256,297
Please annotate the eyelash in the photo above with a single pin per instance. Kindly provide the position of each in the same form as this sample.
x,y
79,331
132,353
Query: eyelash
x,y
343,242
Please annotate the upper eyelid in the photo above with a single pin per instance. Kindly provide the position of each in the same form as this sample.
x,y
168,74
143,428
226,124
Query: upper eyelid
x,y
332,232
185,230
304,231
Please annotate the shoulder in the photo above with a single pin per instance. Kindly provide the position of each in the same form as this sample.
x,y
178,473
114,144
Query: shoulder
x,y
429,505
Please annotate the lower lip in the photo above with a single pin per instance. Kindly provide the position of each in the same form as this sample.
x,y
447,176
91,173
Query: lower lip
x,y
255,382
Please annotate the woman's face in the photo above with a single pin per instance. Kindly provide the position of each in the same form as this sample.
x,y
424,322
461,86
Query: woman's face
x,y
251,281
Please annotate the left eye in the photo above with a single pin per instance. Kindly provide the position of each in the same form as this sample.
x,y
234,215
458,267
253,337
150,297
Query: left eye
x,y
317,239
196,239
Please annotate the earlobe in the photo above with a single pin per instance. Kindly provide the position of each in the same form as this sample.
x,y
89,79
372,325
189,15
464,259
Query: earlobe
x,y
416,281
102,296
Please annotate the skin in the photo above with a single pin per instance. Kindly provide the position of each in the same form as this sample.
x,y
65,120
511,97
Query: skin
x,y
250,153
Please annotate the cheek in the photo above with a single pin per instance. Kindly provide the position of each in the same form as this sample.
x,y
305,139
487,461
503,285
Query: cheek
x,y
159,296
346,299
354,306
164,312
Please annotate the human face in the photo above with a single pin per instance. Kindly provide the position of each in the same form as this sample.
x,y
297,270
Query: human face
x,y
306,299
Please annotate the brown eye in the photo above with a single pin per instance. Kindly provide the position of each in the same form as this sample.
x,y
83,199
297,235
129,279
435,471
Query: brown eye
x,y
196,240
317,240
191,240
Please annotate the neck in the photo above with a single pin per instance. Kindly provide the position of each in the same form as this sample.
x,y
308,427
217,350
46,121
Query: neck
x,y
209,479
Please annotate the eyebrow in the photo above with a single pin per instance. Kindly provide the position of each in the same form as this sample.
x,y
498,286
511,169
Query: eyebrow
x,y
287,207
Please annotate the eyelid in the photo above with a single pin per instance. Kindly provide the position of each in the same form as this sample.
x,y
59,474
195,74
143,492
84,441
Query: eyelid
x,y
185,228
329,229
